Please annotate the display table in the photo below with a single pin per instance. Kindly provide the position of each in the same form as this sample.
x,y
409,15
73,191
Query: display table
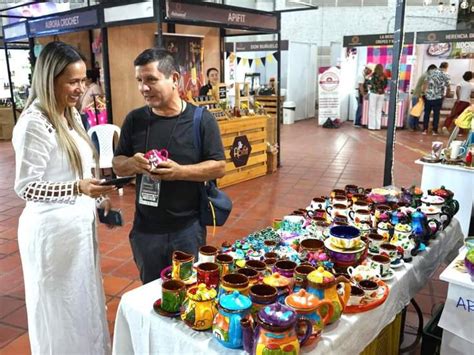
x,y
457,318
399,117
139,330
455,178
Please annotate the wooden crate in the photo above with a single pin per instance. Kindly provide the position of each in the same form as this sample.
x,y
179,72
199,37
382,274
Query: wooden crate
x,y
6,123
254,127
269,103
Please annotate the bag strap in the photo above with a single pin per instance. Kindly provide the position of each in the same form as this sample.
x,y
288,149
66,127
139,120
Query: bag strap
x,y
197,118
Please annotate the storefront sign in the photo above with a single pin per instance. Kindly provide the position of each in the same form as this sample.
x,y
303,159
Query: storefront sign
x,y
128,12
329,102
240,151
374,40
258,46
63,23
15,32
445,36
176,10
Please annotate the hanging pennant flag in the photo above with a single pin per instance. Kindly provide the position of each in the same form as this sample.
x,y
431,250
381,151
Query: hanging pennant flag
x,y
263,60
238,60
244,61
270,58
276,56
232,57
250,62
258,62
227,54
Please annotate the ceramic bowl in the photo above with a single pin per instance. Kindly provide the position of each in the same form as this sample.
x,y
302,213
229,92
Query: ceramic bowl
x,y
468,262
344,237
344,257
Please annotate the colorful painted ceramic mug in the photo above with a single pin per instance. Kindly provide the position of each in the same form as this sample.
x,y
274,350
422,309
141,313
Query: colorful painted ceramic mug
x,y
370,287
359,216
208,274
226,264
357,294
301,276
173,295
285,268
381,263
182,266
391,251
262,295
258,265
207,254
234,282
252,274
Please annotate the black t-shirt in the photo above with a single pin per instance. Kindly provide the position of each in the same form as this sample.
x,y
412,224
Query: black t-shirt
x,y
179,200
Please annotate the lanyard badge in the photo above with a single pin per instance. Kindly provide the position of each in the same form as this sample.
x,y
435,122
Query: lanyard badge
x,y
149,191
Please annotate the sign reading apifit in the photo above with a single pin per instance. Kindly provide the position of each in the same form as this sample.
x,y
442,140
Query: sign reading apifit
x,y
240,151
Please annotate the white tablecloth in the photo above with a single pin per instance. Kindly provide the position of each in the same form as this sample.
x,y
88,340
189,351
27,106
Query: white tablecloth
x,y
138,330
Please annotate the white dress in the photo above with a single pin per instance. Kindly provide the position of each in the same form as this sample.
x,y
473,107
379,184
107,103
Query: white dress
x,y
58,246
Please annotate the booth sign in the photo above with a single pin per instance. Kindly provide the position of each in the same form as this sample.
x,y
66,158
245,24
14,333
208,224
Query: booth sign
x,y
240,151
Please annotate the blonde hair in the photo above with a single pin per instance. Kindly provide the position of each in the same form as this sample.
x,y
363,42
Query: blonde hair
x,y
378,69
52,62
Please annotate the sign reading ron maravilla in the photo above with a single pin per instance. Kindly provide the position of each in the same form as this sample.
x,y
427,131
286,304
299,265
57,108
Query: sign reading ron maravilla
x,y
383,39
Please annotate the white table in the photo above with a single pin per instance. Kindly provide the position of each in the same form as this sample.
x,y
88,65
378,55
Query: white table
x,y
455,178
457,319
138,330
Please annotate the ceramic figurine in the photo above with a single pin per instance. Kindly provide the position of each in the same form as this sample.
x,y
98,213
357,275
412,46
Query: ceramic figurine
x,y
275,331
226,326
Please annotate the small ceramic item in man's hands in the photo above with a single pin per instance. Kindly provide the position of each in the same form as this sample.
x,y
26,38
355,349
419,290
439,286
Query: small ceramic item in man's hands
x,y
156,157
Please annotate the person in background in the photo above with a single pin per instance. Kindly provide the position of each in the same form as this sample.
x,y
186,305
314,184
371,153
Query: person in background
x,y
212,80
418,93
463,100
377,84
167,197
57,238
436,87
362,91
93,88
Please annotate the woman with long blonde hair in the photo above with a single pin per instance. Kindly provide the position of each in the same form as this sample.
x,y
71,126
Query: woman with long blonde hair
x,y
56,232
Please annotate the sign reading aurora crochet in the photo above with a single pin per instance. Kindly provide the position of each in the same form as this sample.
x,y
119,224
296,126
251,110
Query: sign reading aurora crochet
x,y
68,22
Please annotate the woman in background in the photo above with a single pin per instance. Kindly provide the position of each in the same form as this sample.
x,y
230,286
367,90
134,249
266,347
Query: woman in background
x,y
378,83
57,232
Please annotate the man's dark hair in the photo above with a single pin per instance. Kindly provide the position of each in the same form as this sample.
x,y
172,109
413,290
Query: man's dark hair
x,y
209,71
166,62
467,75
444,65
431,67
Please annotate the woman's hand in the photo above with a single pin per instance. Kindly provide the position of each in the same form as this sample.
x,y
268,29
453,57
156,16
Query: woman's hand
x,y
92,188
106,205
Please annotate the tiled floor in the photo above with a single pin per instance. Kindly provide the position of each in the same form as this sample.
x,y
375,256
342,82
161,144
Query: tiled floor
x,y
314,161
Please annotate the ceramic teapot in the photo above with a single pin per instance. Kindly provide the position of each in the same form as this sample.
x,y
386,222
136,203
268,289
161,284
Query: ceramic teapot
x,y
451,205
275,331
323,285
423,228
199,307
308,306
226,326
281,283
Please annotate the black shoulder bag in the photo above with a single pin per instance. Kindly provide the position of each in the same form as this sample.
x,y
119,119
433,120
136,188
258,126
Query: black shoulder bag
x,y
215,205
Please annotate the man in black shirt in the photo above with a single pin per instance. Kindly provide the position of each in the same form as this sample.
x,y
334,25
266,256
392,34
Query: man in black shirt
x,y
167,197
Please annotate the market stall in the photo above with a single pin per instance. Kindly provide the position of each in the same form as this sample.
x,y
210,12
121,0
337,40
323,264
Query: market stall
x,y
352,324
362,50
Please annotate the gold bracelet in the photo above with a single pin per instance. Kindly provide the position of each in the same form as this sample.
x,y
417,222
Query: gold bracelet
x,y
78,188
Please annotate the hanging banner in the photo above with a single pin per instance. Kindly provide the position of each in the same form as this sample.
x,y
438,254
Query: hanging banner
x,y
258,46
374,40
188,52
233,17
329,104
56,24
445,36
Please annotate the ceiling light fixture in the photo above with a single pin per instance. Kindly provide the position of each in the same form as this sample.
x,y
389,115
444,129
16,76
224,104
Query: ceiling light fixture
x,y
427,2
440,7
464,4
453,8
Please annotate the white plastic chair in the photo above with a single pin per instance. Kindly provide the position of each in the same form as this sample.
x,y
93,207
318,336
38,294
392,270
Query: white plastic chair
x,y
105,135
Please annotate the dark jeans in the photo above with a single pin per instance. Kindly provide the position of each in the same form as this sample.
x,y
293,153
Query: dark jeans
x,y
153,252
434,105
360,104
412,120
